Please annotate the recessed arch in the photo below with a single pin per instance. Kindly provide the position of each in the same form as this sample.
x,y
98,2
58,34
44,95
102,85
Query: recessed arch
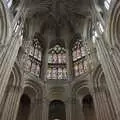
x,y
57,110
35,86
114,26
88,108
78,86
33,95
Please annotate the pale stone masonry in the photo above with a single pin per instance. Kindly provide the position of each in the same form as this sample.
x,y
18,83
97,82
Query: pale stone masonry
x,y
35,84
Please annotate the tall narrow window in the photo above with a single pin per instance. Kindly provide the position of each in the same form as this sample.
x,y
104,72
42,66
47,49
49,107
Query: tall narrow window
x,y
34,61
107,4
79,57
57,63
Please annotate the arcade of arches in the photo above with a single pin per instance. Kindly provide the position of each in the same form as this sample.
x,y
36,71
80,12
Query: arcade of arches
x,y
59,60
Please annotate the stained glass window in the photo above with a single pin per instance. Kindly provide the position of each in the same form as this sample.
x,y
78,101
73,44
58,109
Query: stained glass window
x,y
79,58
34,60
57,63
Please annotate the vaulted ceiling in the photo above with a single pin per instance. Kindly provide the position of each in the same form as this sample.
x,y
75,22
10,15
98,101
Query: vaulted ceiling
x,y
57,19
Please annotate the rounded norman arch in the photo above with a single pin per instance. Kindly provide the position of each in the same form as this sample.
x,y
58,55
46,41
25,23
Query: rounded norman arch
x,y
36,87
78,86
31,101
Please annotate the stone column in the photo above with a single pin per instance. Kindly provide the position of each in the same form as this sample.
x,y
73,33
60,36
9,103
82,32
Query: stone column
x,y
79,109
12,103
77,113
110,104
36,110
68,109
115,53
44,65
7,63
32,109
101,106
39,109
69,63
45,110
112,78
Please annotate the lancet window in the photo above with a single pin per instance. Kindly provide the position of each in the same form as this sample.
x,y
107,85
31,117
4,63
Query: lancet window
x,y
79,57
34,60
57,63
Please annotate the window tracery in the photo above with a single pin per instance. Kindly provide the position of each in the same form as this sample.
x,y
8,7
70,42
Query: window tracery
x,y
57,63
79,58
34,59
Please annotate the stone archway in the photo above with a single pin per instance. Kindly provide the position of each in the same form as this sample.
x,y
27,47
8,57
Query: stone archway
x,y
34,92
113,34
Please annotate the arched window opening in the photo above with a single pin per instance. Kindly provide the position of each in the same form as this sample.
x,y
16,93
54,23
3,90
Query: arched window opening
x,y
79,53
57,63
34,59
24,108
57,110
88,108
